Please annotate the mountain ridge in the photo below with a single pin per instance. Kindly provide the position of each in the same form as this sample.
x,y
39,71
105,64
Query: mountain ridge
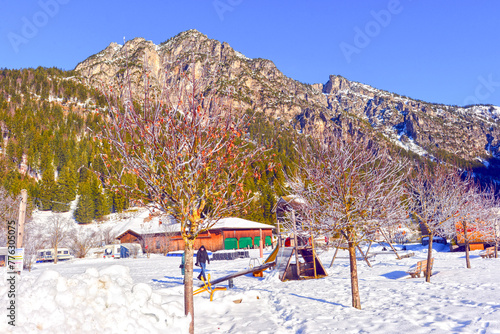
x,y
468,134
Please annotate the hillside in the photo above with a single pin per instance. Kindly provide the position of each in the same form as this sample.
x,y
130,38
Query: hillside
x,y
466,136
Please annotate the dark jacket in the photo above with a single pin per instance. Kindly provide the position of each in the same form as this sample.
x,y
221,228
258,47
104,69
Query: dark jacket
x,y
202,256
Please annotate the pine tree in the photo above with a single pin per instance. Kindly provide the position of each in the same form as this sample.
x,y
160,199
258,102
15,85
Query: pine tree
x,y
99,197
85,209
66,188
119,201
48,188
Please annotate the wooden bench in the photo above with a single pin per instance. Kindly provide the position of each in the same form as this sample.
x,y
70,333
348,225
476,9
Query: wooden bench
x,y
421,267
488,253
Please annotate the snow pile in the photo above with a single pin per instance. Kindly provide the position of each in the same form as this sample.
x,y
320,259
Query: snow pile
x,y
145,295
105,301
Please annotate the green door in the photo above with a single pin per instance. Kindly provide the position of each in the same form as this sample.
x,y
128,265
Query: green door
x,y
231,243
256,241
268,241
246,242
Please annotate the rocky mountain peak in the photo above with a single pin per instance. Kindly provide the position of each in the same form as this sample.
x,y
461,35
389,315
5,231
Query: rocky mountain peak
x,y
336,83
421,128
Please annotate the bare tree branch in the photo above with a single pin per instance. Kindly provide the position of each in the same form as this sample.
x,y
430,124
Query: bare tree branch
x,y
349,187
185,144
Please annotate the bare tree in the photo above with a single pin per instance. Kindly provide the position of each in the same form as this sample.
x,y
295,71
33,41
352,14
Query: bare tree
x,y
58,228
148,243
436,200
169,231
185,144
495,228
470,223
33,241
81,241
108,235
492,228
350,187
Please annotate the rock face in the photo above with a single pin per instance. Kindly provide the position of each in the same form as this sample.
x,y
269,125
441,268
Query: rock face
x,y
435,130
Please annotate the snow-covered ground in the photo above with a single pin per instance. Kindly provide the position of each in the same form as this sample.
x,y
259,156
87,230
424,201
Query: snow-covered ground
x,y
146,296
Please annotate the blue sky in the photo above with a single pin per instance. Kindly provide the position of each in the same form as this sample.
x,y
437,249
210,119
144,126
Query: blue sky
x,y
436,51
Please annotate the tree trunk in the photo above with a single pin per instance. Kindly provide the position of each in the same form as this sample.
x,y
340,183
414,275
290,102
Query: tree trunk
x,y
55,254
356,300
296,245
188,282
466,238
496,249
429,259
496,239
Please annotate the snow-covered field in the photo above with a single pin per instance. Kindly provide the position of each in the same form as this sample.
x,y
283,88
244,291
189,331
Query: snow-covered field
x,y
145,296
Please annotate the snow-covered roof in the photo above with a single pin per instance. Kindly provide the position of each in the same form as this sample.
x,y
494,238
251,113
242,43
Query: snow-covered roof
x,y
239,223
143,225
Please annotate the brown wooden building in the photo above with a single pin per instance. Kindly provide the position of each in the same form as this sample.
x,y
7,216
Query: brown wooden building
x,y
228,233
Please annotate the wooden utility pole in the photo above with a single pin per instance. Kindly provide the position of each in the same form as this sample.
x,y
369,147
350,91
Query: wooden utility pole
x,y
22,217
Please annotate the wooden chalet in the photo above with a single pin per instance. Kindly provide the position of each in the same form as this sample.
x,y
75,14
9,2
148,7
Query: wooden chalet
x,y
479,235
156,236
286,204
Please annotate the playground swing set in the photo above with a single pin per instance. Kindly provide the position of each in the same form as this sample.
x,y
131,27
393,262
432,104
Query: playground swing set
x,y
306,265
309,267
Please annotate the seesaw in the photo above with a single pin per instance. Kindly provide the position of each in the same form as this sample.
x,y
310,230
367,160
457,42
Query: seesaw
x,y
207,285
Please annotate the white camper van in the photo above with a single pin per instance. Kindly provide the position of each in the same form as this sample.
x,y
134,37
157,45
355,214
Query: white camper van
x,y
112,251
47,255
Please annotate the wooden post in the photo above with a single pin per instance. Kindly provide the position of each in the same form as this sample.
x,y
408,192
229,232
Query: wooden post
x,y
385,237
366,259
336,250
22,217
279,230
314,256
297,266
369,246
261,245
20,221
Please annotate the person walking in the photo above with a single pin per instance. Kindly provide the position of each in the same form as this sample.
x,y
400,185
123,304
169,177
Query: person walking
x,y
201,261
